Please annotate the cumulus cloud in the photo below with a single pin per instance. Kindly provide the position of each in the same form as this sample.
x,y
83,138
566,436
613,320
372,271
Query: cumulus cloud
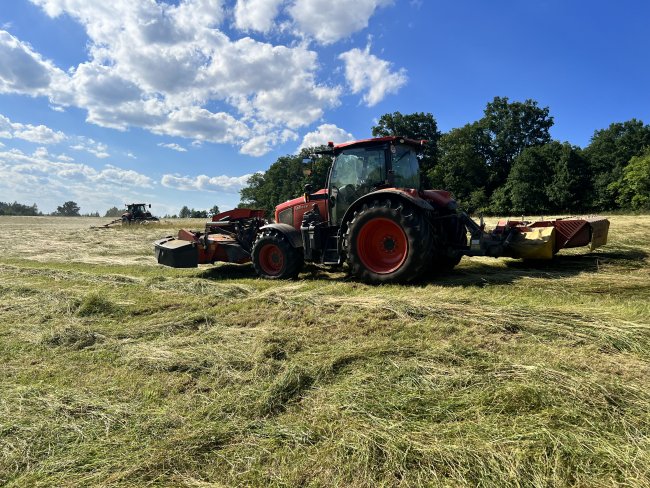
x,y
260,145
97,149
256,15
39,134
367,73
24,71
324,134
164,66
226,184
331,20
23,177
173,146
159,66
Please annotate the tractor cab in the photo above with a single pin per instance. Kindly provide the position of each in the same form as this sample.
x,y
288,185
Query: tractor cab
x,y
359,168
365,166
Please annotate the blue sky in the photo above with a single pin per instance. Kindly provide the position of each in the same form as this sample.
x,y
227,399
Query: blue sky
x,y
177,103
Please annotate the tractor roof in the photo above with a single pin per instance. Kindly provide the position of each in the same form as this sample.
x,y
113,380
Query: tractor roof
x,y
377,141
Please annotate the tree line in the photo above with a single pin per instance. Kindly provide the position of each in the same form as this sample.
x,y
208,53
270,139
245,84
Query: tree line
x,y
504,163
72,209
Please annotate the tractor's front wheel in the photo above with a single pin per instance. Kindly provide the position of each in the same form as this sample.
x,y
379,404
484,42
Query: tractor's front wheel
x,y
274,258
388,241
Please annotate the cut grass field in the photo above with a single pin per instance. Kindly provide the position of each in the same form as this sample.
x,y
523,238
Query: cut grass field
x,y
115,371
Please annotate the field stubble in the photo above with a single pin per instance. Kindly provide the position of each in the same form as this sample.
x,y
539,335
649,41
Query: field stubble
x,y
118,372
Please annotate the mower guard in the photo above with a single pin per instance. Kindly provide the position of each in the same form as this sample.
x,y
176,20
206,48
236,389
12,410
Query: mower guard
x,y
176,253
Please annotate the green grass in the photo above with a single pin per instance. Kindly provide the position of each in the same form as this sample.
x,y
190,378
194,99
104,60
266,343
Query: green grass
x,y
118,372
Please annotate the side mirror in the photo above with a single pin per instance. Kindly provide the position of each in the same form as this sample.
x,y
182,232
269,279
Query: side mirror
x,y
149,205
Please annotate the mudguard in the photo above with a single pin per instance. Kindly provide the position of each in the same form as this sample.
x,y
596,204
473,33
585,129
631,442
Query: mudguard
x,y
292,235
418,202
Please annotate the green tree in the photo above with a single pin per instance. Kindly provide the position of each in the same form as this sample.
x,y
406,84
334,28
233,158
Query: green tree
x,y
550,178
185,212
569,189
462,167
199,214
609,152
114,212
511,128
414,126
68,209
214,210
284,180
18,209
527,182
633,188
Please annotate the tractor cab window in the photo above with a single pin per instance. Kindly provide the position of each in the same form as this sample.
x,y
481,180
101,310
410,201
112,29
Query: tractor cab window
x,y
406,167
355,172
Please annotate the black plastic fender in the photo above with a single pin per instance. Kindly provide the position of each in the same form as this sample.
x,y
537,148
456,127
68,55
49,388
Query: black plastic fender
x,y
291,233
418,202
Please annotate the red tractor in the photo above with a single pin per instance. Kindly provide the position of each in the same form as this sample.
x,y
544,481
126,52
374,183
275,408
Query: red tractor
x,y
137,213
375,217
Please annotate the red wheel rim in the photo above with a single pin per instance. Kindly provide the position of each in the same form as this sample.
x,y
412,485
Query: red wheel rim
x,y
382,246
271,259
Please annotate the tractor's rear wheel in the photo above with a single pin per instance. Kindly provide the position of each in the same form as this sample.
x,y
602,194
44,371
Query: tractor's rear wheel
x,y
274,258
388,241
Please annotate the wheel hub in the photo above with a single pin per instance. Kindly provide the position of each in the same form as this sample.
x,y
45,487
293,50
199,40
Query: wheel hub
x,y
389,244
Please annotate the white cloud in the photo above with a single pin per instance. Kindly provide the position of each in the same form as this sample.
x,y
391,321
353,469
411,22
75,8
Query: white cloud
x,y
226,184
98,149
367,73
163,66
159,66
23,177
260,145
331,20
24,71
324,134
39,134
256,15
173,146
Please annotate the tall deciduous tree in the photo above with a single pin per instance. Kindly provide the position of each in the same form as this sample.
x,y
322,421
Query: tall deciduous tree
x,y
285,179
462,167
569,189
114,212
634,185
609,152
549,178
68,209
18,209
185,212
512,127
414,126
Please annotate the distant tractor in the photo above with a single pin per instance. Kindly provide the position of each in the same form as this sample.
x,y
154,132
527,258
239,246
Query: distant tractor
x,y
137,213
375,216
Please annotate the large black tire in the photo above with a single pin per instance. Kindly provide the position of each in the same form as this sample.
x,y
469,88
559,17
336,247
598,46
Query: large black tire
x,y
274,258
388,241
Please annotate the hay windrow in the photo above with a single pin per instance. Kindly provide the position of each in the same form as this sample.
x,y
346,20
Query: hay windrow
x,y
118,372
